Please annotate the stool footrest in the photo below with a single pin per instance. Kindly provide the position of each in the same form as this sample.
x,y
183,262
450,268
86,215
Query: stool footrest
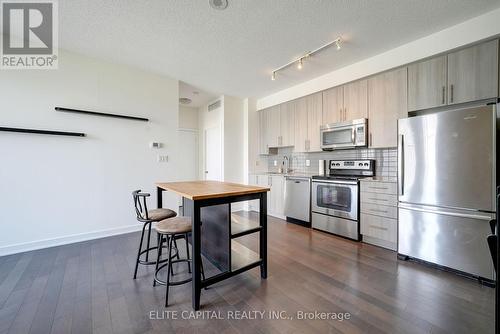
x,y
153,263
162,282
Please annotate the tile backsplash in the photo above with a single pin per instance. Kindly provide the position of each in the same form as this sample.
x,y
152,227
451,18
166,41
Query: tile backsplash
x,y
386,159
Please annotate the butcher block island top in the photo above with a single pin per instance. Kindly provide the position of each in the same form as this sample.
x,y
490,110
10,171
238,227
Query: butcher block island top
x,y
197,190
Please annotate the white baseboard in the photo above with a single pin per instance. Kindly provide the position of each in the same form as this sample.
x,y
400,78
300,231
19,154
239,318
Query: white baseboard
x,y
46,243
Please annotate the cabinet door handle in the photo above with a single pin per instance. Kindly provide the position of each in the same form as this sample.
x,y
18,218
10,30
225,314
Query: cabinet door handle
x,y
379,227
378,199
451,93
371,140
381,188
443,93
377,210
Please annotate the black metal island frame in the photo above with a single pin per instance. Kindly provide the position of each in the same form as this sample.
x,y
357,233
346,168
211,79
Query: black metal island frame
x,y
215,229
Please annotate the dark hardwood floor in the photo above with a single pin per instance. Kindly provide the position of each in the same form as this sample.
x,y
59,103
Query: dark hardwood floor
x,y
88,288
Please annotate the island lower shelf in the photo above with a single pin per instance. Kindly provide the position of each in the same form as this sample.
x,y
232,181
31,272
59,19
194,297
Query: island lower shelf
x,y
242,256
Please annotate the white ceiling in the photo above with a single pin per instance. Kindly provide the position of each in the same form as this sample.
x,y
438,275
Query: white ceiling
x,y
197,100
234,51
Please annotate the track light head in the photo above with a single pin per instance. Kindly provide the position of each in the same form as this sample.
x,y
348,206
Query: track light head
x,y
273,76
338,43
300,64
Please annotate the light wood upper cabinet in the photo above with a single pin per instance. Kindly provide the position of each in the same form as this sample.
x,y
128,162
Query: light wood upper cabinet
x,y
387,102
287,124
355,100
273,119
314,105
300,120
473,73
427,84
333,105
263,123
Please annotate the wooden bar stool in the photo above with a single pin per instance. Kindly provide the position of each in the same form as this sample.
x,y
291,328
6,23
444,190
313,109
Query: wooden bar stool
x,y
147,217
169,230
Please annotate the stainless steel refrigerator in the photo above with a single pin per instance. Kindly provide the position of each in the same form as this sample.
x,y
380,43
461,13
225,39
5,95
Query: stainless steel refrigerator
x,y
447,182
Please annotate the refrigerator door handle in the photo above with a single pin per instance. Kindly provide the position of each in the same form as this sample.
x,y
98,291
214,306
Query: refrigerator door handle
x,y
442,211
401,165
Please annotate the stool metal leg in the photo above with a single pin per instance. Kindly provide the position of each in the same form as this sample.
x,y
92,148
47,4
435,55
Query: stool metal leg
x,y
139,251
158,254
169,268
149,238
201,269
187,253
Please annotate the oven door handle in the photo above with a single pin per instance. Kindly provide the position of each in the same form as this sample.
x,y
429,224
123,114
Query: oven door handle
x,y
336,182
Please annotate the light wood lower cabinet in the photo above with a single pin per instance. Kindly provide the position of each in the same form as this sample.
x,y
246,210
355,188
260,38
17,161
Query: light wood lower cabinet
x,y
275,197
378,220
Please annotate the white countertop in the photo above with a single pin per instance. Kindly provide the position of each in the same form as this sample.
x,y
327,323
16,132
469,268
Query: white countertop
x,y
296,174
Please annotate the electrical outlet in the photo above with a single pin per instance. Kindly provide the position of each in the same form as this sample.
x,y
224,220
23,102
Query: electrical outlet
x,y
162,158
275,162
308,163
257,163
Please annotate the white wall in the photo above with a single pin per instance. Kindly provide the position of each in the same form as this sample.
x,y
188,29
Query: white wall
x,y
61,189
468,32
188,117
233,139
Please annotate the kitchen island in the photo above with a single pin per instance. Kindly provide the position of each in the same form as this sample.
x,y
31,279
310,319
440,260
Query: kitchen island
x,y
214,228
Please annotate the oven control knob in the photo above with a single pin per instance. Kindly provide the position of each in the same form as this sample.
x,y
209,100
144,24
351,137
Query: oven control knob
x,y
366,163
360,164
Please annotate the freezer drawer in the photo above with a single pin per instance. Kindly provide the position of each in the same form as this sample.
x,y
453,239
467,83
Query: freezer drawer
x,y
340,226
452,239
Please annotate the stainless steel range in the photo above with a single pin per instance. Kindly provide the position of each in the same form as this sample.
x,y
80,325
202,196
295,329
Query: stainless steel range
x,y
335,197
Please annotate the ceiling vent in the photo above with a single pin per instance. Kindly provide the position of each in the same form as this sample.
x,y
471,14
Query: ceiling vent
x,y
214,105
184,100
218,4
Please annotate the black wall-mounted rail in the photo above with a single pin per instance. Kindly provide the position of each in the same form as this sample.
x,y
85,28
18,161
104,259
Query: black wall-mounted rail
x,y
94,113
44,132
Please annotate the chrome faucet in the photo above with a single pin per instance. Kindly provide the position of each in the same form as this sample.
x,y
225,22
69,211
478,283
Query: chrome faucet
x,y
287,164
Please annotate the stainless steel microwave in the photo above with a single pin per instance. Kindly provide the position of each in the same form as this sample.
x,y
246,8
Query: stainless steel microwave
x,y
344,135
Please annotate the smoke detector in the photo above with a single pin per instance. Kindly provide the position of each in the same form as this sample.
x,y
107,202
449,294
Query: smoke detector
x,y
185,100
218,4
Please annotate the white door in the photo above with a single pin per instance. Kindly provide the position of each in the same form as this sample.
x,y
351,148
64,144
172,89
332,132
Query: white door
x,y
213,154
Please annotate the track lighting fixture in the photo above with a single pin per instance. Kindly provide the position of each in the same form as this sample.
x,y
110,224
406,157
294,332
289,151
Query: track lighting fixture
x,y
300,61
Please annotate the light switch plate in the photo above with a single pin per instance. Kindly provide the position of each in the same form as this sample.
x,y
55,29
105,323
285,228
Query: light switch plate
x,y
308,163
162,158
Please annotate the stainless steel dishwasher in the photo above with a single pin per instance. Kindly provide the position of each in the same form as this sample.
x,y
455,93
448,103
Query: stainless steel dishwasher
x,y
298,200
